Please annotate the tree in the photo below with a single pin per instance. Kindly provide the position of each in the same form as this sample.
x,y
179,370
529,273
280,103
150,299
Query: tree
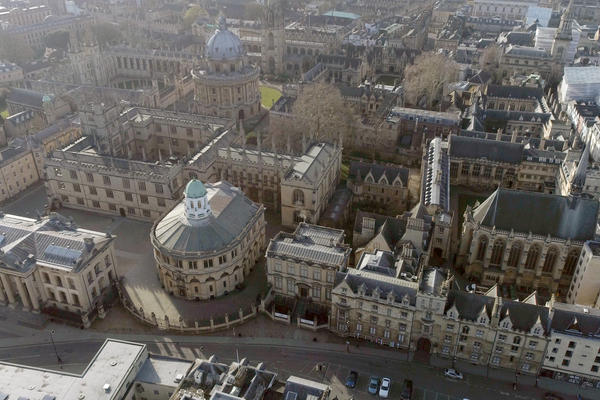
x,y
15,49
319,114
191,14
57,40
425,79
490,61
106,34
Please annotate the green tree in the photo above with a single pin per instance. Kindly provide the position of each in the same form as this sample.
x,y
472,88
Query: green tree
x,y
57,40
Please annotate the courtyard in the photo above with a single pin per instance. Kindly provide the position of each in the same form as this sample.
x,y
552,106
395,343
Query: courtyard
x,y
136,267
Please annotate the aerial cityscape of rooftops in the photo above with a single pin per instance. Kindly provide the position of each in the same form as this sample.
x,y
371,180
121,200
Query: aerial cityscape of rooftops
x,y
299,199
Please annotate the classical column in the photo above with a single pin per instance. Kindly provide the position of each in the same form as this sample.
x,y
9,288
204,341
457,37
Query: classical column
x,y
32,295
9,291
23,294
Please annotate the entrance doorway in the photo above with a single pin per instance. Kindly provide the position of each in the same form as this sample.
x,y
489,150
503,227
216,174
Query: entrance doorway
x,y
303,292
122,211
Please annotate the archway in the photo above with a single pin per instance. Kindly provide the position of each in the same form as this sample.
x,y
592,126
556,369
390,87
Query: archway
x,y
424,345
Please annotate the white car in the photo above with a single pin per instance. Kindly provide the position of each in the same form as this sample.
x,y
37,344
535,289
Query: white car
x,y
384,388
452,373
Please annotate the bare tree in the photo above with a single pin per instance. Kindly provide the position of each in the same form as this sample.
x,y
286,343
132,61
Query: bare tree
x,y
490,61
424,80
15,49
321,114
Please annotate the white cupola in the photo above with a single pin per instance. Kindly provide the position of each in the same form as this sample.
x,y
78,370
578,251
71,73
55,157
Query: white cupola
x,y
196,200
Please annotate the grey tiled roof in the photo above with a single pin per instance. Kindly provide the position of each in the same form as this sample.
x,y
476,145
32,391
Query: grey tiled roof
x,y
25,97
515,92
576,319
320,234
232,213
309,249
493,150
469,305
539,213
524,316
360,170
53,240
373,281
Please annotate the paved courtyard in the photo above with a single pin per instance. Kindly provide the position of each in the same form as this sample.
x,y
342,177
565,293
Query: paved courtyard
x,y
135,264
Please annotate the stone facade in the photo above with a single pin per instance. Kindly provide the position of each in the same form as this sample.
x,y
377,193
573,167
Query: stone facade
x,y
304,264
229,236
71,274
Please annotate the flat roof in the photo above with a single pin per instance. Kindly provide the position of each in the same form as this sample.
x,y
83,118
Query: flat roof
x,y
112,364
162,371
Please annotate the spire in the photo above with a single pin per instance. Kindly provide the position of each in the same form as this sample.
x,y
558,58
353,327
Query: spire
x,y
578,181
565,28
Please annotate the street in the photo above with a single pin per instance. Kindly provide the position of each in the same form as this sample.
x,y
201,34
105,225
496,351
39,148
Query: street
x,y
300,360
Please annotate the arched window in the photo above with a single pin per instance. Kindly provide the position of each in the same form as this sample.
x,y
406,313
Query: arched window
x,y
270,41
550,261
571,262
532,257
483,242
497,252
515,254
298,197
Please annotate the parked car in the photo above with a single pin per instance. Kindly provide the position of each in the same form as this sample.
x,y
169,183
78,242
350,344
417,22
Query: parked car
x,y
552,396
406,393
373,385
352,379
452,373
384,389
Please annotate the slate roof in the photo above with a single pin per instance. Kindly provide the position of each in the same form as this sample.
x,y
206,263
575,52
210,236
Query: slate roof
x,y
53,240
232,214
311,243
303,389
469,305
539,213
515,92
432,281
524,316
576,319
477,148
359,170
391,229
525,51
372,281
26,97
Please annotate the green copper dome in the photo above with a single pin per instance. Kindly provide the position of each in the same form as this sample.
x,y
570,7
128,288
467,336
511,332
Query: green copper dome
x,y
194,189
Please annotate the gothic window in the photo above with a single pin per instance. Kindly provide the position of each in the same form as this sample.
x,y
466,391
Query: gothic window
x,y
515,254
550,260
532,257
270,41
298,197
497,252
483,242
571,262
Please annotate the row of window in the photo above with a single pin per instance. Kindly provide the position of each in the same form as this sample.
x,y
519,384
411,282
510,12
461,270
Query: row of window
x,y
107,180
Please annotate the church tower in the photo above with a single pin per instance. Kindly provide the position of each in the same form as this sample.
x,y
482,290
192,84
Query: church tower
x,y
564,35
273,37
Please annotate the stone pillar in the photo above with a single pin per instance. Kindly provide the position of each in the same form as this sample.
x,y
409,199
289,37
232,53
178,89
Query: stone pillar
x,y
23,295
2,295
32,295
9,291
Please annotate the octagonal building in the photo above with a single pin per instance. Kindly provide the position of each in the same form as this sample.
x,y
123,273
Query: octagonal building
x,y
226,85
208,243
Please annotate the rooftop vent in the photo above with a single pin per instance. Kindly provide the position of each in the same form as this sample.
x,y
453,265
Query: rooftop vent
x,y
106,387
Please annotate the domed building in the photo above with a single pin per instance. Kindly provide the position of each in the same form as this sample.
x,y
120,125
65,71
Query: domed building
x,y
227,84
207,244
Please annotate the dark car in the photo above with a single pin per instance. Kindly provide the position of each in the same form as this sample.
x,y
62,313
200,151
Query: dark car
x,y
552,396
406,393
373,385
352,379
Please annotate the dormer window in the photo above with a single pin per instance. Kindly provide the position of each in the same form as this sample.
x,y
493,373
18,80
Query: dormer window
x,y
506,325
483,320
450,314
537,331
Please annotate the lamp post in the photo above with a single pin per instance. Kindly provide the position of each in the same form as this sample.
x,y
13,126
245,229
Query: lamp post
x,y
54,346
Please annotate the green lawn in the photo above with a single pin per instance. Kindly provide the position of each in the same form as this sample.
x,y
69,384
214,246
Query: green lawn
x,y
269,96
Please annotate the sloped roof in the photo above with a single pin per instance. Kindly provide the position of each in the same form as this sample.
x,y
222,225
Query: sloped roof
x,y
574,319
362,169
469,305
515,92
372,281
539,213
53,240
477,148
26,97
524,316
232,213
